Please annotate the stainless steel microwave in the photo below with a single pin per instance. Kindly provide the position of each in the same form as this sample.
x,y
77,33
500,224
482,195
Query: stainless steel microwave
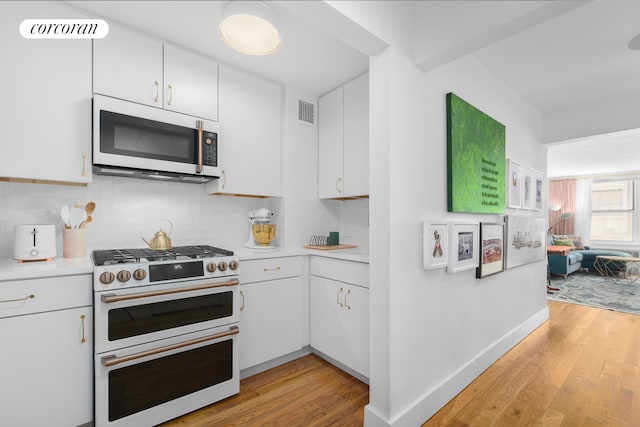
x,y
140,141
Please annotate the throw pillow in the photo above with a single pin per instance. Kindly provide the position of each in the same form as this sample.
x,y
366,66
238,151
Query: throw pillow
x,y
577,242
563,242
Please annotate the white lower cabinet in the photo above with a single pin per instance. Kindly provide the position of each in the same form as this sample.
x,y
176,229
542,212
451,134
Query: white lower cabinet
x,y
47,356
339,309
271,309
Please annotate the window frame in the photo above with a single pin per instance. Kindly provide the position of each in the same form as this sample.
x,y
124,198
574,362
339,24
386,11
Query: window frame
x,y
635,216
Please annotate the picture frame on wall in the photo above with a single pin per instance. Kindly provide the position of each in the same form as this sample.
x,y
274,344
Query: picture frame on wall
x,y
528,187
539,190
514,185
464,253
435,238
525,241
492,249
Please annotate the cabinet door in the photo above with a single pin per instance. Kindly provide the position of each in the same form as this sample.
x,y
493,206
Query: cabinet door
x,y
128,65
270,320
46,116
47,369
340,322
190,83
330,138
356,137
250,140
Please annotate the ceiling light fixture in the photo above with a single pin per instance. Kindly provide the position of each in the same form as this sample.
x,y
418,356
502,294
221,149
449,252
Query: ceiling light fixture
x,y
250,27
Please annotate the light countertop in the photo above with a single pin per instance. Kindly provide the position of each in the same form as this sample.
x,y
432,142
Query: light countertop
x,y
12,270
355,254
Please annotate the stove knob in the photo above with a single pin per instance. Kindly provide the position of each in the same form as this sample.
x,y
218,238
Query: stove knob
x,y
233,265
140,274
107,277
211,267
222,266
124,275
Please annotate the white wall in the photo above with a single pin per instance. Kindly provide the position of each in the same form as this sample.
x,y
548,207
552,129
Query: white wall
x,y
433,332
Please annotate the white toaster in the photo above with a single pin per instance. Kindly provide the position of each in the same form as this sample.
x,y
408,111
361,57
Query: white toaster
x,y
34,242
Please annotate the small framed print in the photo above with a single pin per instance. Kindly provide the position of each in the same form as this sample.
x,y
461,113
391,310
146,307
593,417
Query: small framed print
x,y
528,187
492,247
514,186
464,253
435,252
539,189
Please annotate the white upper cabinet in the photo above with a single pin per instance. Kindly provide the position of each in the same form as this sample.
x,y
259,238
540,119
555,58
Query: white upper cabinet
x,y
46,122
134,67
250,140
343,140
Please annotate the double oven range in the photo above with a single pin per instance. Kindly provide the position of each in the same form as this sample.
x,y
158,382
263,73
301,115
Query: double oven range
x,y
166,332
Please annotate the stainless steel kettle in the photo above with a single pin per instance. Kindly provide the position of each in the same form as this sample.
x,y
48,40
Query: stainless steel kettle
x,y
160,241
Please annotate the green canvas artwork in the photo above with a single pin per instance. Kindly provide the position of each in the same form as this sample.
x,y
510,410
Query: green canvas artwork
x,y
475,159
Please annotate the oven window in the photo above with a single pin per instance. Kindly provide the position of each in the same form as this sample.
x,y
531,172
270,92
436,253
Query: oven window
x,y
142,386
137,137
158,316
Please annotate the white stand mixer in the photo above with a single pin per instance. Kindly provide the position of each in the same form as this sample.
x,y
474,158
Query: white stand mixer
x,y
261,218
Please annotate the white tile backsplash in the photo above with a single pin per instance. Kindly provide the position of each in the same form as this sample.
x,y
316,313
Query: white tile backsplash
x,y
129,209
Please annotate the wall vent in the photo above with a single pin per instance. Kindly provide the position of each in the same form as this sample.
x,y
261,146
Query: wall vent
x,y
306,112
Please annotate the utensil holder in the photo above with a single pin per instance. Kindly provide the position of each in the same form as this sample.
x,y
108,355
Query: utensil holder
x,y
74,242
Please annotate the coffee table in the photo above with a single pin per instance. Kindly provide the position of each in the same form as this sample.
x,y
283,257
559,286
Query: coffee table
x,y
604,264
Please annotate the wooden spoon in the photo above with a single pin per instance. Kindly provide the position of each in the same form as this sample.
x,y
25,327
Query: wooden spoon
x,y
86,221
89,208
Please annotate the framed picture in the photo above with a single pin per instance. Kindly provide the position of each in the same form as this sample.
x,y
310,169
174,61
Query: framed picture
x,y
525,240
475,159
539,189
464,253
528,192
435,239
514,186
492,249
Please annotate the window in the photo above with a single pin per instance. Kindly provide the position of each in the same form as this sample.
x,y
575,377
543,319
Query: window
x,y
612,216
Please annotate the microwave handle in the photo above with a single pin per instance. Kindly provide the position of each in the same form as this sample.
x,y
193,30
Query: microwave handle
x,y
199,125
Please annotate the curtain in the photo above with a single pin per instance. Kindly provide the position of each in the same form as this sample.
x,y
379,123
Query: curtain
x,y
562,192
583,209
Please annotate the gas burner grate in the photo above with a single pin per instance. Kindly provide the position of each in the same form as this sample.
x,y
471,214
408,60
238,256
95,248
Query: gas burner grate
x,y
121,256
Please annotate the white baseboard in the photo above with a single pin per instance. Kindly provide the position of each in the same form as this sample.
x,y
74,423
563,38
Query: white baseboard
x,y
435,398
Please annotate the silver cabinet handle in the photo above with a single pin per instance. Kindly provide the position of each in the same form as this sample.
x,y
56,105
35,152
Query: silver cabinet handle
x,y
170,94
109,298
32,296
242,297
84,158
157,86
338,181
345,300
338,297
224,179
112,360
271,269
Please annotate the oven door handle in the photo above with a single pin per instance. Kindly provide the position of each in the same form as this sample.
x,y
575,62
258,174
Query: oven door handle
x,y
112,359
110,298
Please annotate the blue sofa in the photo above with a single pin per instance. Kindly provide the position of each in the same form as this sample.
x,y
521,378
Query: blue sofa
x,y
579,259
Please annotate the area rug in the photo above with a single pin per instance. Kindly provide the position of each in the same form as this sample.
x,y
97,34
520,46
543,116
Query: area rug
x,y
596,291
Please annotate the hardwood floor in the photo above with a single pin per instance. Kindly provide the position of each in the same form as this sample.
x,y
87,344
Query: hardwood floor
x,y
582,368
305,392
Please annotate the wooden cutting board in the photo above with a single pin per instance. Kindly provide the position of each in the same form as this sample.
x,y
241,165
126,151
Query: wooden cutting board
x,y
330,248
